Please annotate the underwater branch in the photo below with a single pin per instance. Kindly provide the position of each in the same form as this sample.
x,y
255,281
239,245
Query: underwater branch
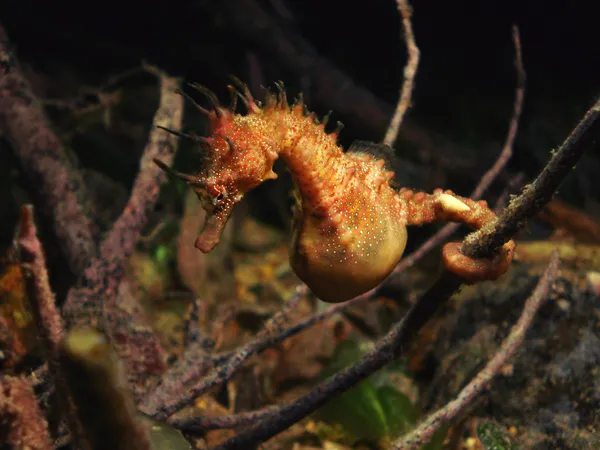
x,y
54,181
423,433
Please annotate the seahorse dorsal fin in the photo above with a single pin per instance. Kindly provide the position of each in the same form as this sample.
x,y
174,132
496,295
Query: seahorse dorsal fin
x,y
379,151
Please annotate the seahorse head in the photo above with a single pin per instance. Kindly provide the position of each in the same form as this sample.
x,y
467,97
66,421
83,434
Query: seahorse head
x,y
240,152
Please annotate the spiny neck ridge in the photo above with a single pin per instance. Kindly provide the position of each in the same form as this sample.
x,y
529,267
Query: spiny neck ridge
x,y
241,150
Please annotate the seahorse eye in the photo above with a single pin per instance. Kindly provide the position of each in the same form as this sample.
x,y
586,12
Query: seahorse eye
x,y
221,195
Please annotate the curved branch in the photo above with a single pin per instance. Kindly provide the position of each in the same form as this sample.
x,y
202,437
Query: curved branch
x,y
423,433
54,182
536,195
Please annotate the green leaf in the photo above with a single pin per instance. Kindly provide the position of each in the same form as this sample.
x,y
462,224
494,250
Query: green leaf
x,y
161,254
437,440
162,435
371,410
493,436
400,414
358,411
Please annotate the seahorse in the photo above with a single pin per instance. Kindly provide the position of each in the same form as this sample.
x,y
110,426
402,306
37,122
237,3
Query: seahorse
x,y
349,222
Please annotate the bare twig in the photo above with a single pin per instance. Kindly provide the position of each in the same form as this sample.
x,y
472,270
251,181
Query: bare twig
x,y
234,420
386,350
171,396
507,150
55,183
126,232
33,266
488,178
536,195
425,430
141,346
172,390
45,312
23,423
124,321
204,423
410,70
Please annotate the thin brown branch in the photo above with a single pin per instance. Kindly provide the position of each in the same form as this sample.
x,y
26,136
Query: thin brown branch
x,y
54,183
507,150
41,298
385,350
105,273
175,393
231,421
172,390
137,343
488,178
410,70
425,430
127,230
124,320
45,313
204,423
536,195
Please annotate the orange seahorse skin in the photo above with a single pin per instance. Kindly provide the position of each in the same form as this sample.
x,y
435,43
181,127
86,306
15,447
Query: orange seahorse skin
x,y
349,229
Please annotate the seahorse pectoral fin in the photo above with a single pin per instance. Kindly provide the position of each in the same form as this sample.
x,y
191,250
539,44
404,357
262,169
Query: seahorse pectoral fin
x,y
213,227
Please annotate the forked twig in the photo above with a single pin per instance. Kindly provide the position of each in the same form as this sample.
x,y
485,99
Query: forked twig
x,y
385,350
234,420
106,271
59,191
168,398
536,195
124,320
54,181
488,178
425,430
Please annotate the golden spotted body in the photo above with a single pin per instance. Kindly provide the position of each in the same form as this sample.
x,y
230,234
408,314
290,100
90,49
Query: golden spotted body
x,y
349,229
